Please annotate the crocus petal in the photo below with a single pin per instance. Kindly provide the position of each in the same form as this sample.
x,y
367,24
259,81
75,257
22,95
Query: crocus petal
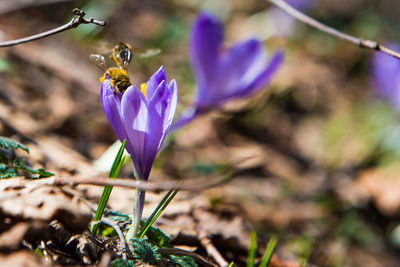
x,y
134,116
173,89
186,116
112,107
205,41
386,75
156,133
154,81
239,67
265,77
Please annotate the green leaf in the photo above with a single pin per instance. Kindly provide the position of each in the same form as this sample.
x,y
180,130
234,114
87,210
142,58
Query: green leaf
x,y
144,251
158,238
268,253
3,159
9,143
6,172
43,173
18,163
182,261
114,172
252,249
122,263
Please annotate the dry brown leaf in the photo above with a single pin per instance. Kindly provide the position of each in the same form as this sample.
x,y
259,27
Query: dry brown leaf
x,y
20,259
44,203
63,157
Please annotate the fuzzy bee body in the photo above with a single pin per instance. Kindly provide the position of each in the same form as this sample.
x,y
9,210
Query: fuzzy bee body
x,y
121,55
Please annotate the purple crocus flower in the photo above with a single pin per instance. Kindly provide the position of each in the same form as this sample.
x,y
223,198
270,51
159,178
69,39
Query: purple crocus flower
x,y
386,76
142,117
223,74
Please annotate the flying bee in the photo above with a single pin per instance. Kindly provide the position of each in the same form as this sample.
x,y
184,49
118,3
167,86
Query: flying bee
x,y
121,55
119,79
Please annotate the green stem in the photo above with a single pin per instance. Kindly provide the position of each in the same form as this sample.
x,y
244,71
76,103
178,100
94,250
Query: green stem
x,y
138,204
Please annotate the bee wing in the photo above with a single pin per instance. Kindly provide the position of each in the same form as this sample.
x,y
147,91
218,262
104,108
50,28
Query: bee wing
x,y
144,53
99,60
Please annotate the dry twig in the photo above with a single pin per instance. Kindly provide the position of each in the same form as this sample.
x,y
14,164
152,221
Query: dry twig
x,y
210,248
119,233
363,43
73,23
121,182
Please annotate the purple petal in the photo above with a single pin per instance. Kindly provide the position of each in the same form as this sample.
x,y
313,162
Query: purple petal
x,y
157,114
173,89
185,117
302,5
205,41
112,107
386,74
134,110
156,133
265,76
154,81
239,67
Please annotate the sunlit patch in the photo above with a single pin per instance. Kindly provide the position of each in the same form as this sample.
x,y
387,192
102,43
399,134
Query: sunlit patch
x,y
143,88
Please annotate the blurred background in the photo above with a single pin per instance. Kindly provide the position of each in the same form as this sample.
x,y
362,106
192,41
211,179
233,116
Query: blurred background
x,y
316,154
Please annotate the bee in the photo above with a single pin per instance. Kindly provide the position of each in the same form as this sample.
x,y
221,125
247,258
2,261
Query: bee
x,y
119,79
121,55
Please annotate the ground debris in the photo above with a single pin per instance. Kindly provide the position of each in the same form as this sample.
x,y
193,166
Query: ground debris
x,y
20,259
44,203
382,186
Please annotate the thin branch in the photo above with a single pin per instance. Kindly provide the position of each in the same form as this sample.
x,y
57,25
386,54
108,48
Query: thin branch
x,y
119,233
73,23
210,248
102,181
363,43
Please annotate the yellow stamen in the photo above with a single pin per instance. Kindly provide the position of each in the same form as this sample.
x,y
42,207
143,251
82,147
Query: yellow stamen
x,y
143,88
102,78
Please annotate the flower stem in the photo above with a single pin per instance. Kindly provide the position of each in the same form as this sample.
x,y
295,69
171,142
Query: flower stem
x,y
138,204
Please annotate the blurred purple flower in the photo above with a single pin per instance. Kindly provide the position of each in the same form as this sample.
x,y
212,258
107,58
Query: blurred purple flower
x,y
386,76
302,5
142,117
223,74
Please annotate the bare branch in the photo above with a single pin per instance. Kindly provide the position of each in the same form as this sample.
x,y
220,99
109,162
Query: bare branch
x,y
119,233
73,23
363,43
210,248
121,182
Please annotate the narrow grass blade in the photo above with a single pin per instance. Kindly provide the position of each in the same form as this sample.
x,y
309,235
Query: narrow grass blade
x,y
231,264
158,211
114,172
252,249
303,263
154,213
117,164
268,253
